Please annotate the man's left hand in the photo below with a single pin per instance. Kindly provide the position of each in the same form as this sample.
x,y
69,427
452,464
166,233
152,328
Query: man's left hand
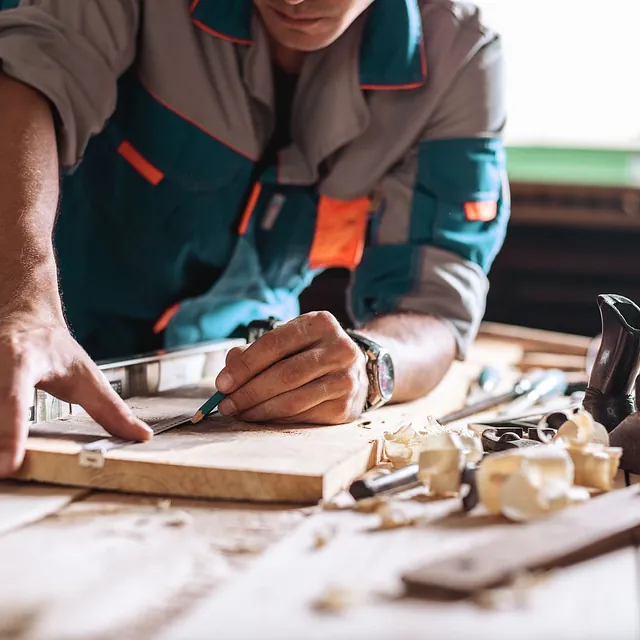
x,y
308,370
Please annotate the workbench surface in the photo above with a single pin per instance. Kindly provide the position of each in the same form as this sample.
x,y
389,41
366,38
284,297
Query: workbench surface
x,y
81,564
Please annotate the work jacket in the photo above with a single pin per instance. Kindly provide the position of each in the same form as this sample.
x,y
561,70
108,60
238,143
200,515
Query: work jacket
x,y
394,169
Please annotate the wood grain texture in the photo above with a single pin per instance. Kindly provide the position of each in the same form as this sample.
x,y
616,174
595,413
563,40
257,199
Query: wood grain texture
x,y
599,525
226,459
277,597
115,566
21,504
537,339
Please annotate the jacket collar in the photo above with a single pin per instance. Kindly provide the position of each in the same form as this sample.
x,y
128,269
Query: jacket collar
x,y
392,53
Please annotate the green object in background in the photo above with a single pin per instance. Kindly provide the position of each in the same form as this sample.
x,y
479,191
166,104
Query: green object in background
x,y
595,167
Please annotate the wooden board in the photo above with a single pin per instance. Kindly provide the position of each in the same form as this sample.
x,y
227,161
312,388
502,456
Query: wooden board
x,y
537,339
611,520
597,599
120,566
21,504
226,459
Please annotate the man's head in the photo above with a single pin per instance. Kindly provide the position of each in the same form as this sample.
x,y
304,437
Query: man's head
x,y
308,25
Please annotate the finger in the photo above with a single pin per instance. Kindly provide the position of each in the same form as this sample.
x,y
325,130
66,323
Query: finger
x,y
341,410
104,405
16,396
286,375
333,386
279,343
234,352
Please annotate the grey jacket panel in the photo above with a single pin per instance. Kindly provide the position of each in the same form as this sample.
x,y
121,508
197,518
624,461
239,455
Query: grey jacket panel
x,y
73,52
453,290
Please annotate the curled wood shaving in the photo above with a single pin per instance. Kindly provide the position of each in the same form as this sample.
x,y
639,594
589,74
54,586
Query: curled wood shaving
x,y
523,484
403,446
443,457
587,441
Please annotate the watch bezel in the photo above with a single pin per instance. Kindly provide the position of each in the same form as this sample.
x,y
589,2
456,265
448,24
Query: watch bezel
x,y
375,354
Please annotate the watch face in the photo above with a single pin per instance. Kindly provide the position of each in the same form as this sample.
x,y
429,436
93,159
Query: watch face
x,y
386,379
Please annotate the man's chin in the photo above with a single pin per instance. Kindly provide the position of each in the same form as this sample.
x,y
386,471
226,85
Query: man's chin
x,y
305,42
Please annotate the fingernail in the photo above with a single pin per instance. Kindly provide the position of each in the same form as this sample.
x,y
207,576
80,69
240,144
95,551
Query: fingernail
x,y
224,382
145,427
227,407
7,463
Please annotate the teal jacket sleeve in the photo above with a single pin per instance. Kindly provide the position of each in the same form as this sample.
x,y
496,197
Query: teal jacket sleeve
x,y
452,194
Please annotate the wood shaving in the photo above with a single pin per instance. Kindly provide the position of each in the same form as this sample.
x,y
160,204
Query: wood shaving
x,y
587,441
524,484
370,505
179,519
241,548
332,505
393,518
443,457
163,505
324,537
516,595
403,446
337,600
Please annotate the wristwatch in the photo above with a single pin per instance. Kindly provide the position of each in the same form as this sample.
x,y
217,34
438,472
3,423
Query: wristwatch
x,y
379,371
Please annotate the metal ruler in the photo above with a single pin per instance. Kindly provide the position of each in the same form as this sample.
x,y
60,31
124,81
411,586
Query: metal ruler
x,y
92,454
144,375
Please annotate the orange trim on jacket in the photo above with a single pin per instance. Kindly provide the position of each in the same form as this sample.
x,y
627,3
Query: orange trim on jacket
x,y
165,318
340,234
484,211
140,164
248,210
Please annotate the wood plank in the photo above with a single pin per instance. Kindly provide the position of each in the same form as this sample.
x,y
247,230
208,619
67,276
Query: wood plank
x,y
611,519
537,339
227,459
123,566
539,360
21,504
593,600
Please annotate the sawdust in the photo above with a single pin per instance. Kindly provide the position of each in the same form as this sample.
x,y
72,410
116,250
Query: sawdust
x,y
516,595
336,600
392,517
241,548
322,538
19,625
163,505
179,519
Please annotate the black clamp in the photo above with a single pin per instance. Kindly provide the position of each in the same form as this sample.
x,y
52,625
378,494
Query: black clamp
x,y
258,328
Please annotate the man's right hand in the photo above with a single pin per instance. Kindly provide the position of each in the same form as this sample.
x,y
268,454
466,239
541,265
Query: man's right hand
x,y
37,350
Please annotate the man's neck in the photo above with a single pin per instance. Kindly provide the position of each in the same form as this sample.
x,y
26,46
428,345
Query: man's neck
x,y
289,60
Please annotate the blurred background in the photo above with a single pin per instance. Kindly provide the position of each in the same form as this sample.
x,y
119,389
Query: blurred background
x,y
573,143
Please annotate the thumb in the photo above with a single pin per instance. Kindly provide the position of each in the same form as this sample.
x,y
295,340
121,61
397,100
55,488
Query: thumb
x,y
105,406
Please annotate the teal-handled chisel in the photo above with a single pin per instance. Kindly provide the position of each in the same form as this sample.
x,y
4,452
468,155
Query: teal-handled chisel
x,y
208,407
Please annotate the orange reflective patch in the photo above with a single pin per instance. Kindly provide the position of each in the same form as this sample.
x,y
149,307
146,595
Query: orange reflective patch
x,y
481,211
248,210
140,164
165,318
341,227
